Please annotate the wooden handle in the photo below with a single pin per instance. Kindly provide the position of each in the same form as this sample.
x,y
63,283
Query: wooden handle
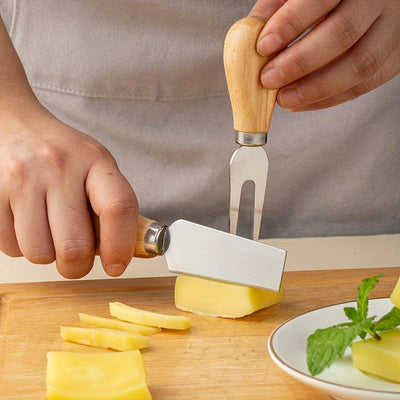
x,y
142,226
252,104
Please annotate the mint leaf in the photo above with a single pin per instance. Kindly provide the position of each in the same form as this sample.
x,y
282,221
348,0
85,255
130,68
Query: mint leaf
x,y
363,290
359,314
363,334
352,314
325,345
389,321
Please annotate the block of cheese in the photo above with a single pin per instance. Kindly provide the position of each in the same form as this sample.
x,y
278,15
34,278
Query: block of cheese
x,y
219,299
137,316
105,338
395,296
379,357
96,376
117,324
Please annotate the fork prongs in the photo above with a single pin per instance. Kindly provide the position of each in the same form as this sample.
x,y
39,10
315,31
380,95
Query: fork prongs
x,y
260,185
235,193
248,164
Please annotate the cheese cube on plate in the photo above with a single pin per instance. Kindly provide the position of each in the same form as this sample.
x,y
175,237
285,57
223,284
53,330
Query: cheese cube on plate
x,y
379,357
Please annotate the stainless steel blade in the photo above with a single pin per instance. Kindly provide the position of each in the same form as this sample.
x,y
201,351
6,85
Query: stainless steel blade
x,y
248,164
198,250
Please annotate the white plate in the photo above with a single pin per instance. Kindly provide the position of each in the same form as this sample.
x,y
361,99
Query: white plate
x,y
287,347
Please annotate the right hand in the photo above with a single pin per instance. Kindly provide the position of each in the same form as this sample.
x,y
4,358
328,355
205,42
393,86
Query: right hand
x,y
50,173
352,48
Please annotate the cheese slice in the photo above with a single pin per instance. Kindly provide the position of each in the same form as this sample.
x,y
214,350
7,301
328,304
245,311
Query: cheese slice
x,y
379,357
137,316
220,299
395,296
117,324
96,376
105,338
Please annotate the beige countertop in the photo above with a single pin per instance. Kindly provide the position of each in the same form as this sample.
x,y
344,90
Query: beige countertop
x,y
303,254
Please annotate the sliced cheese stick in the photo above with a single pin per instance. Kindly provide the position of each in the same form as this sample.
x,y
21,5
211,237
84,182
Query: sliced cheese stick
x,y
135,315
105,338
117,324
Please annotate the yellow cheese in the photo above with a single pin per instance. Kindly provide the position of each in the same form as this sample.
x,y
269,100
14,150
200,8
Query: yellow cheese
x,y
395,296
130,314
105,338
219,299
96,376
117,324
379,357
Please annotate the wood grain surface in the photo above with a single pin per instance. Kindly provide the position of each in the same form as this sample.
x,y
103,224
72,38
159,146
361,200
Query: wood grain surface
x,y
142,225
217,359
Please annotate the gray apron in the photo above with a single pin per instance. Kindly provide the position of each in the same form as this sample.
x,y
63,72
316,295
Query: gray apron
x,y
146,79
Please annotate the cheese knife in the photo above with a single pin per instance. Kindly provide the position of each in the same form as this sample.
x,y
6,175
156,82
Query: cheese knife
x,y
194,249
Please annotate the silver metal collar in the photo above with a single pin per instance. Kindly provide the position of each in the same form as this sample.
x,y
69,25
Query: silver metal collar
x,y
251,139
156,239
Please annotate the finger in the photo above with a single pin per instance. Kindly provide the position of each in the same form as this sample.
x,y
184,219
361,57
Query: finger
x,y
290,21
71,228
265,9
8,240
389,70
362,61
114,201
340,98
327,41
31,226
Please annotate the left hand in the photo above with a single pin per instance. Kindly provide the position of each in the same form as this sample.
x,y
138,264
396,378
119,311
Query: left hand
x,y
352,48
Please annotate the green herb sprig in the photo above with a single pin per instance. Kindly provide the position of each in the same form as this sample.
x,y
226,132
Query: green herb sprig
x,y
324,346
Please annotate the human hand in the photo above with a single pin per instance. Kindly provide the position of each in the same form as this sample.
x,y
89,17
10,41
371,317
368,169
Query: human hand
x,y
352,48
50,174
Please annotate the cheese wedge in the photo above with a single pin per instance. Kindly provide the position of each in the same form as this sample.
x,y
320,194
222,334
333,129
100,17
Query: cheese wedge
x,y
105,338
379,357
117,324
219,299
96,376
137,316
395,296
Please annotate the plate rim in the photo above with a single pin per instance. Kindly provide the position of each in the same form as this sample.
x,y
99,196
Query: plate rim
x,y
311,378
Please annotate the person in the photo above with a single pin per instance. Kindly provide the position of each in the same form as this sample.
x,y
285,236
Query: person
x,y
100,97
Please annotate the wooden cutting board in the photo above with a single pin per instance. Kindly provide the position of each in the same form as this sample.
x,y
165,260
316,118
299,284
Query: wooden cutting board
x,y
218,359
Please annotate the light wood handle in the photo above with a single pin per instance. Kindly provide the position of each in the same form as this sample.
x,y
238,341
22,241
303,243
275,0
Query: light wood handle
x,y
252,104
142,226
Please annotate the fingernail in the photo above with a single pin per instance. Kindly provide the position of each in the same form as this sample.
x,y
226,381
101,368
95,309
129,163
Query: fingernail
x,y
289,98
269,44
272,78
115,269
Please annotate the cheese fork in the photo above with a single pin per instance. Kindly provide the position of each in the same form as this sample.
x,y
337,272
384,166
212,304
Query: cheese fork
x,y
252,107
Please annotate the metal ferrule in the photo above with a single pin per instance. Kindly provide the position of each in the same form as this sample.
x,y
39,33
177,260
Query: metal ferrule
x,y
251,139
156,239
